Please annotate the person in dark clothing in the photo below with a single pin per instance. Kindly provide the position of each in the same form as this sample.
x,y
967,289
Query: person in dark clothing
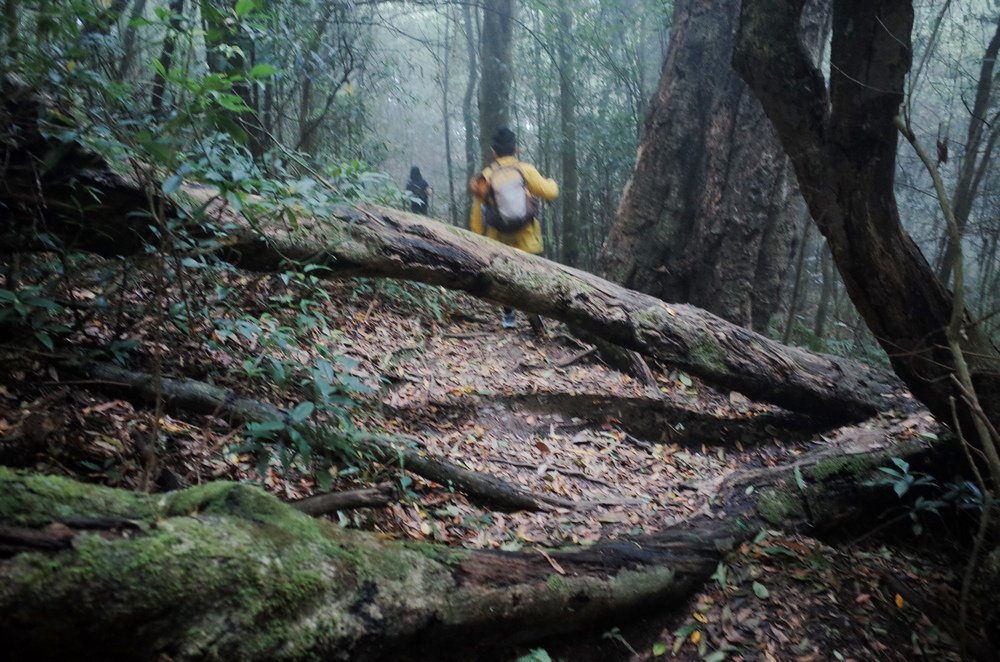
x,y
419,189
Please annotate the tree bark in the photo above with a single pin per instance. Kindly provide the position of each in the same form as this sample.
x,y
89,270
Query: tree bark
x,y
704,208
826,291
496,40
158,97
567,116
842,143
224,570
468,119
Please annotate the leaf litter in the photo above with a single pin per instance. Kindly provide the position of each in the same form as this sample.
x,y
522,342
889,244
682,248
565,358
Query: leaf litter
x,y
444,372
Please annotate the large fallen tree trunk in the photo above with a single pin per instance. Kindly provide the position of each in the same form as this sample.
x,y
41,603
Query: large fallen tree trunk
x,y
80,199
226,571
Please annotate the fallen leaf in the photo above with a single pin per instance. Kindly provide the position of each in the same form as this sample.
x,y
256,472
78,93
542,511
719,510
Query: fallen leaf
x,y
552,562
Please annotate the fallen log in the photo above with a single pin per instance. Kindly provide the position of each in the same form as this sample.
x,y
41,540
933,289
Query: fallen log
x,y
224,570
80,199
324,504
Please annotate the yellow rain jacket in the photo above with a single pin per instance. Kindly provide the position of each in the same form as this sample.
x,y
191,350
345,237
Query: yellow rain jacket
x,y
528,238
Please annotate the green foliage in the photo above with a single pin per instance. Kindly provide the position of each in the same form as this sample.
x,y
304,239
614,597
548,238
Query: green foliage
x,y
962,496
30,308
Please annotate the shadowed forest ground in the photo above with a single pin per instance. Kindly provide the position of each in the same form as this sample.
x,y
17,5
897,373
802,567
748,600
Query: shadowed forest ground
x,y
542,413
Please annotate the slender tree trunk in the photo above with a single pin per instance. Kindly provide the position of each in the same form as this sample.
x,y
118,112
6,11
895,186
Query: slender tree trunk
x,y
471,159
130,41
231,52
827,292
495,49
158,97
567,112
976,158
446,112
797,280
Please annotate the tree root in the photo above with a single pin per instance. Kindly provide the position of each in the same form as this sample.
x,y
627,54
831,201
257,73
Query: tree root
x,y
199,397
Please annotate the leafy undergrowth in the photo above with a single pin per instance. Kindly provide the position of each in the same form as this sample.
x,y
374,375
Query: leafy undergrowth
x,y
540,412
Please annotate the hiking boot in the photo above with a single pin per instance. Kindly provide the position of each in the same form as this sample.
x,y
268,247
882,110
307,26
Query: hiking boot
x,y
509,321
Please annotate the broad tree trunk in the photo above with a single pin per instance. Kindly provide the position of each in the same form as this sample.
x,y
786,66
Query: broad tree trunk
x,y
224,570
842,143
704,209
495,52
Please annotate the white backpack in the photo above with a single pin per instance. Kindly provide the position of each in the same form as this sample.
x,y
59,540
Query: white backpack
x,y
509,205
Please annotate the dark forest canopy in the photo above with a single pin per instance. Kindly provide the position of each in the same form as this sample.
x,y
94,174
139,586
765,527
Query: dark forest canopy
x,y
770,283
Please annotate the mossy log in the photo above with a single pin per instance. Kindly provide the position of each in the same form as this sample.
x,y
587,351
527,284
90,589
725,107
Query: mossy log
x,y
79,198
225,571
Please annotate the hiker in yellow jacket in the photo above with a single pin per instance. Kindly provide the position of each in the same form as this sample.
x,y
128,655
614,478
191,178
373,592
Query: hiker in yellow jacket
x,y
527,238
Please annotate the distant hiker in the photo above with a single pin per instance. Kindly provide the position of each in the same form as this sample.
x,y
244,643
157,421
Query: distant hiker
x,y
419,191
505,204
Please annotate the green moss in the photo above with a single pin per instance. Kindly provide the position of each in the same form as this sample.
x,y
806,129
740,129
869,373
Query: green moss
x,y
221,571
777,506
652,316
446,555
35,500
851,464
555,582
708,353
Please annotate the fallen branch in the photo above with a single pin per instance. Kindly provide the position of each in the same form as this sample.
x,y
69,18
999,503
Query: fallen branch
x,y
324,504
575,357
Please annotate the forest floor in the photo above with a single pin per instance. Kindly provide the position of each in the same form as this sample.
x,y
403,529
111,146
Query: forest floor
x,y
542,413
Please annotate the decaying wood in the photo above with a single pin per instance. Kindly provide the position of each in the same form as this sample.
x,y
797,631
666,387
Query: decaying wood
x,y
289,585
81,200
324,504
